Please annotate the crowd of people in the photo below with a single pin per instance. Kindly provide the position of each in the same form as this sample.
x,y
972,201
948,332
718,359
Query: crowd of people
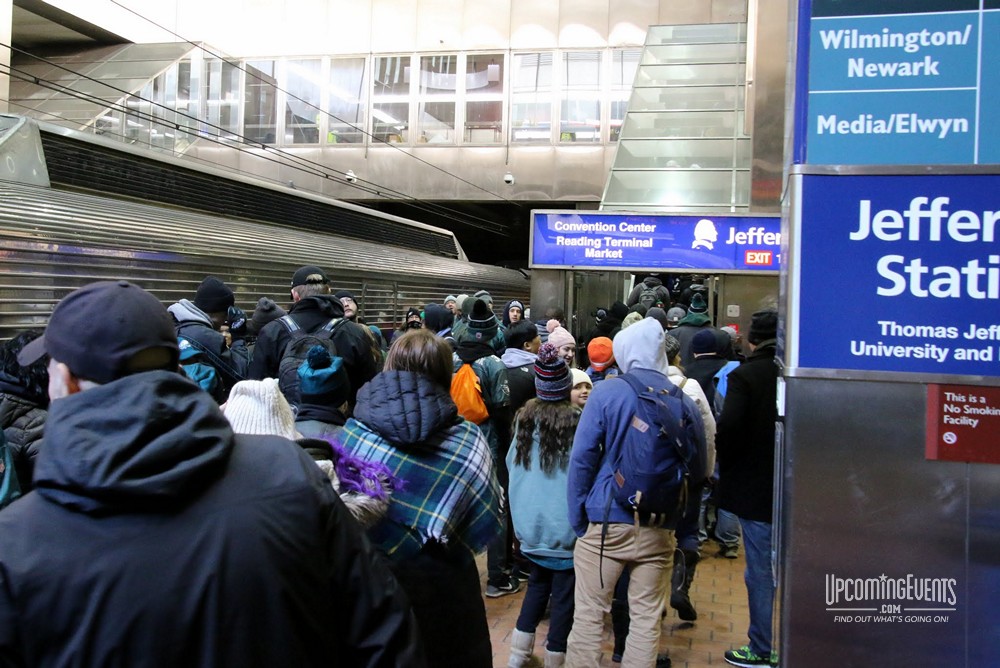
x,y
195,485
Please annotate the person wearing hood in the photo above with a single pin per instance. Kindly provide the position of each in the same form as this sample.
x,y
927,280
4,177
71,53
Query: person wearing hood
x,y
375,338
519,358
611,538
688,528
199,322
24,401
439,320
313,307
446,510
157,536
474,348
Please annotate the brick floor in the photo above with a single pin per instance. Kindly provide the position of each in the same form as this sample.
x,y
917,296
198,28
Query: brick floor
x,y
718,594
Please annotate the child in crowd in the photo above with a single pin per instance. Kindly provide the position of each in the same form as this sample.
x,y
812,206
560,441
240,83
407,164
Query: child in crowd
x,y
538,461
602,360
564,342
582,385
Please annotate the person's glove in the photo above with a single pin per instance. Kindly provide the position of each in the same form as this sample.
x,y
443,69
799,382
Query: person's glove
x,y
236,319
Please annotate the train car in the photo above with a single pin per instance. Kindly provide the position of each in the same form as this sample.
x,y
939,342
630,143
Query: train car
x,y
75,209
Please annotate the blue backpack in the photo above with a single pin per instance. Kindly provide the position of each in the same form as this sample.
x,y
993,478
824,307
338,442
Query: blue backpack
x,y
204,375
662,455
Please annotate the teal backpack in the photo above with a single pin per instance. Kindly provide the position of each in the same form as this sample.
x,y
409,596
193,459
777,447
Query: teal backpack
x,y
204,375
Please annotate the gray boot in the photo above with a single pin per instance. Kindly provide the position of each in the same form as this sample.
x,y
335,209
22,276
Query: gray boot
x,y
554,659
685,564
521,645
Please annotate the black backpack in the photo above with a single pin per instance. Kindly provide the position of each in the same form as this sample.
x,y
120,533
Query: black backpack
x,y
648,296
662,454
297,349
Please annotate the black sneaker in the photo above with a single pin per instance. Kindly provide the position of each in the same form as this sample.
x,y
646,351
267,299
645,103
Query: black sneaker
x,y
511,586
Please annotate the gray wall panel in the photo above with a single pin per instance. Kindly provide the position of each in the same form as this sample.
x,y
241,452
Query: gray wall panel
x,y
860,500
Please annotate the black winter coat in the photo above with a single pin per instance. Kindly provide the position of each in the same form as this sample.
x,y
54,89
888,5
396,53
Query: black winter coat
x,y
744,439
155,537
23,423
310,314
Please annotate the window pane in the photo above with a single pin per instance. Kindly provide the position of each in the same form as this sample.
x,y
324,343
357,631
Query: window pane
x,y
580,110
624,63
392,75
346,101
484,122
302,101
260,106
531,108
484,73
438,75
390,121
437,122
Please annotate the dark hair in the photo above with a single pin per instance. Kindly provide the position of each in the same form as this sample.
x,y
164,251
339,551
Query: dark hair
x,y
556,422
424,352
32,381
520,333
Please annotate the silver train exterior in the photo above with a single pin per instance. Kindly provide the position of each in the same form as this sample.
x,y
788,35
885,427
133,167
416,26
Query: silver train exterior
x,y
54,240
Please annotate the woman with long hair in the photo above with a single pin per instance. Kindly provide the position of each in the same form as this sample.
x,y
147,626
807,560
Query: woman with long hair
x,y
445,509
538,461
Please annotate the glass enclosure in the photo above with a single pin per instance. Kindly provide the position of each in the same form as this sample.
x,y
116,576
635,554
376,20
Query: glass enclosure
x,y
682,145
481,99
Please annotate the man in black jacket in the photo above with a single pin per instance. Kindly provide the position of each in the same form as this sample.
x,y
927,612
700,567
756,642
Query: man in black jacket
x,y
744,444
313,308
200,322
156,537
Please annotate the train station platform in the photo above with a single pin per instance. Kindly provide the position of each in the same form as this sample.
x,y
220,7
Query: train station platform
x,y
718,594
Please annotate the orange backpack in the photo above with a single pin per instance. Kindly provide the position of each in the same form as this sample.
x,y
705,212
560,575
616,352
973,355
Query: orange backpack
x,y
467,394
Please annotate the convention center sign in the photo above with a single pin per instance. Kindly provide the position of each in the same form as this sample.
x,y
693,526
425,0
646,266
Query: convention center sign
x,y
903,82
900,273
718,243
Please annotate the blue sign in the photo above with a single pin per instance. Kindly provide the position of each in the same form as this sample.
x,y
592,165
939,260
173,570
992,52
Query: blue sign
x,y
917,86
900,273
711,242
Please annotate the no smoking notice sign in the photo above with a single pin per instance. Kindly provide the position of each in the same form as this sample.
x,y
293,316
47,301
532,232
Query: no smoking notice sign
x,y
962,423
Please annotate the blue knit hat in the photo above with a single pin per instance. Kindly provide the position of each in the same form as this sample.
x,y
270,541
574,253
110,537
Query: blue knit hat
x,y
323,379
553,381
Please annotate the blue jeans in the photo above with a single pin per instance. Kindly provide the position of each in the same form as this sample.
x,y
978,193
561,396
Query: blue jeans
x,y
544,583
727,528
760,584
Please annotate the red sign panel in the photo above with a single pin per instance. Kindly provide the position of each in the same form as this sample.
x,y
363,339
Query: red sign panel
x,y
758,258
962,423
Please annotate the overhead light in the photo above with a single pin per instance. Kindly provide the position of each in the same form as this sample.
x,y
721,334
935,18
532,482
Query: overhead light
x,y
350,176
493,72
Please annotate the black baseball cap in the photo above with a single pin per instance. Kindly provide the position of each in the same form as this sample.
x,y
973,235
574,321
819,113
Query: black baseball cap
x,y
98,330
301,276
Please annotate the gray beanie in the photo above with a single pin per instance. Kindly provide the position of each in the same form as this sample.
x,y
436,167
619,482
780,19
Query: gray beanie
x,y
672,347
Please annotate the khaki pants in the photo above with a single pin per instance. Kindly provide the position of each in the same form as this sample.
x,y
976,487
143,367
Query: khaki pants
x,y
649,553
